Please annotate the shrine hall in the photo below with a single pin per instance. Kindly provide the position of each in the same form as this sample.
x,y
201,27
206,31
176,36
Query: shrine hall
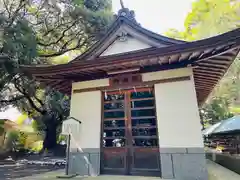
x,y
137,95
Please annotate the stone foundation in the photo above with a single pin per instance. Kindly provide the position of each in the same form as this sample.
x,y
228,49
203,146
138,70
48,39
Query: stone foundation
x,y
85,162
176,163
183,163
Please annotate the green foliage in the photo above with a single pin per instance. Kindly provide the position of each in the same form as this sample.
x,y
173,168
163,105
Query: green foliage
x,y
37,146
39,32
209,18
22,137
216,111
19,41
174,33
220,16
11,141
95,5
21,119
217,16
62,138
235,110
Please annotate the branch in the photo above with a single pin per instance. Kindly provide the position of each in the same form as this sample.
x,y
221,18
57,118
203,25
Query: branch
x,y
29,99
61,37
21,5
12,100
40,101
79,44
6,7
67,42
51,30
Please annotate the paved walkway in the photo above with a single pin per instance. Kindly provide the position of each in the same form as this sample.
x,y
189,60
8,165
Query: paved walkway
x,y
52,176
216,172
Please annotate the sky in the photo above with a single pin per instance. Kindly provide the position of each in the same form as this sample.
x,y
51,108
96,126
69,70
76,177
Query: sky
x,y
155,15
158,15
10,114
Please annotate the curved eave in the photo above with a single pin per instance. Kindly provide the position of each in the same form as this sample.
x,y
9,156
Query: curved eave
x,y
222,42
210,58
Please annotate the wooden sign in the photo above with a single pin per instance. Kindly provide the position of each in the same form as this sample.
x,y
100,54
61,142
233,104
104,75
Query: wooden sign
x,y
71,126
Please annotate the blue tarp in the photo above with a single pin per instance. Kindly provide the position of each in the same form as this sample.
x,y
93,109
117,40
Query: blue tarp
x,y
228,125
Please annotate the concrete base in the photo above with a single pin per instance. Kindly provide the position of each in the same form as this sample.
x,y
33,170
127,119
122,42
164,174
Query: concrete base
x,y
176,163
183,163
85,163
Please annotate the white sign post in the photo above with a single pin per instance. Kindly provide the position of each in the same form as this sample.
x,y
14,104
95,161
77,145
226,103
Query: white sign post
x,y
70,127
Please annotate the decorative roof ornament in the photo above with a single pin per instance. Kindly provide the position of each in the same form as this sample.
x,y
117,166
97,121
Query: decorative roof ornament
x,y
122,4
125,12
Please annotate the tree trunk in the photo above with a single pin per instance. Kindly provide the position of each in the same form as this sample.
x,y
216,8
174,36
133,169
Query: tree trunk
x,y
50,140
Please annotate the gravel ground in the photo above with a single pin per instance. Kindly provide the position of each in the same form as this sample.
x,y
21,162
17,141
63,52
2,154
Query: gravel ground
x,y
11,172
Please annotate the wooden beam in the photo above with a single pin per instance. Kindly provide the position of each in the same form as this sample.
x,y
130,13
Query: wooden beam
x,y
222,58
148,83
207,87
210,64
206,75
202,89
212,68
184,56
205,78
208,72
200,82
174,58
102,62
213,60
210,83
123,71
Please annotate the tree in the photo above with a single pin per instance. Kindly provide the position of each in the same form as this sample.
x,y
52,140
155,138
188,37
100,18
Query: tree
x,y
218,16
35,32
216,111
209,18
1,127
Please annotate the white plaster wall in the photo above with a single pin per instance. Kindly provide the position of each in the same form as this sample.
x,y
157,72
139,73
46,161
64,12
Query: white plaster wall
x,y
131,44
90,84
177,114
167,74
86,107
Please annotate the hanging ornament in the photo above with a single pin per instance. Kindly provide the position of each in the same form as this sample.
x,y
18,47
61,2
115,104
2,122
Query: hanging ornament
x,y
135,89
105,95
150,91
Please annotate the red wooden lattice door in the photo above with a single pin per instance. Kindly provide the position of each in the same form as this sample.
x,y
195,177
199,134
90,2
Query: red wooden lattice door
x,y
129,133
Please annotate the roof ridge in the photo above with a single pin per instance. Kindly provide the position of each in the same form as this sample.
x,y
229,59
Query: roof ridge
x,y
116,24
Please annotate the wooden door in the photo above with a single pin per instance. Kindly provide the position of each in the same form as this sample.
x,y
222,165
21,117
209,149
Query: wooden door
x,y
129,136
